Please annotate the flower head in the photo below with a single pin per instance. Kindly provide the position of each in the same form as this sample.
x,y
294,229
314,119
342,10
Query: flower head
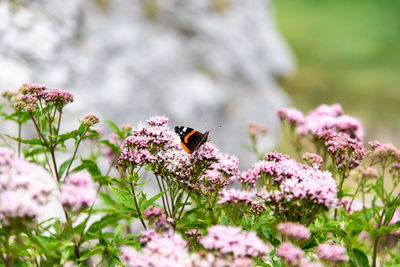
x,y
90,119
255,129
235,196
78,190
232,240
24,187
293,230
312,159
290,253
291,115
332,253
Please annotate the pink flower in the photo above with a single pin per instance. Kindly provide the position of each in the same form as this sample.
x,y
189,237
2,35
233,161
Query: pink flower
x,y
158,121
90,119
235,196
381,150
290,253
290,115
369,172
276,157
255,129
24,187
355,205
313,159
332,118
58,96
294,230
206,152
78,190
232,240
167,250
332,253
347,151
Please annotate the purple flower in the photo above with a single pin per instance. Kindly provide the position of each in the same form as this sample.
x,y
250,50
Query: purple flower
x,y
332,253
293,230
227,164
24,187
235,196
291,115
232,240
212,180
78,190
290,253
384,150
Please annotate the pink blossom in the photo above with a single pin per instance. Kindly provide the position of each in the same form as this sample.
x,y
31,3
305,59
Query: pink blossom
x,y
78,190
90,119
227,164
290,253
257,208
330,118
294,230
347,151
290,115
313,159
206,152
58,96
24,187
383,150
167,250
369,172
212,180
276,157
232,240
158,121
235,196
254,129
125,127
355,205
332,253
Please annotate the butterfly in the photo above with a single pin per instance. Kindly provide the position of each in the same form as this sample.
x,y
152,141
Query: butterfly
x,y
190,138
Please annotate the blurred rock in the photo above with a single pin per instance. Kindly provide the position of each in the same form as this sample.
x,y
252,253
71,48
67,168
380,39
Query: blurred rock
x,y
212,65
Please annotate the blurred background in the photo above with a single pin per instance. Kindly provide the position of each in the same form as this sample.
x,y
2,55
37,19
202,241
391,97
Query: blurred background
x,y
348,52
213,64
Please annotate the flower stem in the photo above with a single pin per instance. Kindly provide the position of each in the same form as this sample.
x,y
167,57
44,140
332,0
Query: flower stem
x,y
136,204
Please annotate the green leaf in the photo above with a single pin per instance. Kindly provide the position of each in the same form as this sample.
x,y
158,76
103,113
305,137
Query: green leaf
x,y
63,137
90,252
361,258
90,166
105,221
82,129
123,196
223,220
27,141
63,167
149,202
114,128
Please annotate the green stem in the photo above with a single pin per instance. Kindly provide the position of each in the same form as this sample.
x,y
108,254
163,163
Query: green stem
x,y
162,196
136,204
74,154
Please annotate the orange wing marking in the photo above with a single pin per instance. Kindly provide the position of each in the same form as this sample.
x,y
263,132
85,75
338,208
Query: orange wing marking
x,y
188,135
185,147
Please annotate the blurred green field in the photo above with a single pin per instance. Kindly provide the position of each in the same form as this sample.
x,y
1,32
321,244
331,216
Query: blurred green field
x,y
348,52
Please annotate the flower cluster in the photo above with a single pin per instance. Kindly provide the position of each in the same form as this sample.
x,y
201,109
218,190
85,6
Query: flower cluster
x,y
168,249
291,183
235,196
332,253
33,95
290,115
90,119
332,117
312,159
350,205
78,190
24,187
384,151
234,241
255,129
290,253
293,230
347,152
157,217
